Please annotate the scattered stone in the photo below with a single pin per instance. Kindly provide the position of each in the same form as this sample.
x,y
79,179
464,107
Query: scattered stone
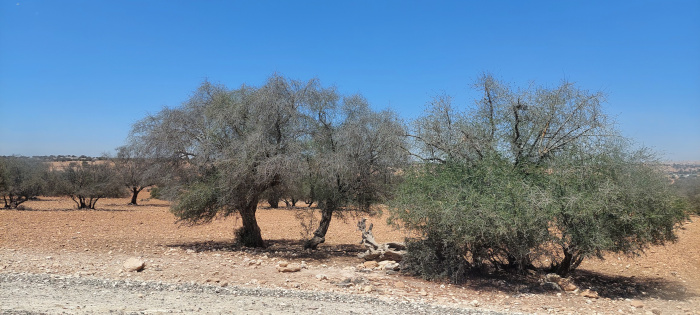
x,y
371,264
568,286
347,282
589,294
552,277
392,266
656,312
551,286
289,268
399,284
134,264
321,277
368,289
474,303
383,263
282,264
423,293
637,303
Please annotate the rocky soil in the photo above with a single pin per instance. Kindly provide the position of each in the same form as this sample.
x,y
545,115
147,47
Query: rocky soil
x,y
54,259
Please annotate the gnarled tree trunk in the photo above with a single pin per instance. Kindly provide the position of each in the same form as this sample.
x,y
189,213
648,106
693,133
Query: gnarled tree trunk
x,y
570,262
379,251
249,234
320,233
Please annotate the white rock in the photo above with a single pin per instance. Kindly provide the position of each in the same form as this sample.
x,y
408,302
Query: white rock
x,y
134,264
392,266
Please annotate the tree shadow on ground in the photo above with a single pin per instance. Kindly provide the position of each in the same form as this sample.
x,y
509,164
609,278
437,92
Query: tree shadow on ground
x,y
607,286
280,248
621,287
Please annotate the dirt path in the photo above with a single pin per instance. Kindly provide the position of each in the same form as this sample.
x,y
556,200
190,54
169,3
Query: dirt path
x,y
52,240
25,293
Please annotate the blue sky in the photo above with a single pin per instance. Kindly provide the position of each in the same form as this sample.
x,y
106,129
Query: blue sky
x,y
74,75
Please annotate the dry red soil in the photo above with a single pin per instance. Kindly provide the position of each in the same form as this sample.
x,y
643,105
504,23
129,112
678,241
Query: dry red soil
x,y
50,236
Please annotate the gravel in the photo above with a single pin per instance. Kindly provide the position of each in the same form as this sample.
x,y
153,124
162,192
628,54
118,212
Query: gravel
x,y
25,293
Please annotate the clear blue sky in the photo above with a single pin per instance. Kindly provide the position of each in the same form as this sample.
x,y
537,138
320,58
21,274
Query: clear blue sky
x,y
74,75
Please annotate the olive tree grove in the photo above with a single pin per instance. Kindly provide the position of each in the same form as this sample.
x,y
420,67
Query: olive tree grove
x,y
526,175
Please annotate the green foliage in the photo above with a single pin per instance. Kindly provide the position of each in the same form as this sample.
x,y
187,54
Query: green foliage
x,y
524,176
226,149
86,183
488,211
689,188
615,200
156,193
199,204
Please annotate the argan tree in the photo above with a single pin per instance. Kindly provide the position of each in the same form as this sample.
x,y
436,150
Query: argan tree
x,y
524,174
21,179
86,183
233,148
234,144
355,156
137,170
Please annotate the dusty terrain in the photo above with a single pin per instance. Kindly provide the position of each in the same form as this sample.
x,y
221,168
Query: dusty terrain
x,y
52,240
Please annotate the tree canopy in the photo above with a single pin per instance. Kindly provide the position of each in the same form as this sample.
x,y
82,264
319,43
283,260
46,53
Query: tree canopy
x,y
522,173
227,148
21,179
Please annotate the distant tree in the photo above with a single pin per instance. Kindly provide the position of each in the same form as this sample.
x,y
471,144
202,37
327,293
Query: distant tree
x,y
21,179
689,188
136,169
86,183
528,173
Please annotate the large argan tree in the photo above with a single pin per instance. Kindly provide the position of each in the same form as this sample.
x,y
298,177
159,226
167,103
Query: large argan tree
x,y
528,173
235,145
226,150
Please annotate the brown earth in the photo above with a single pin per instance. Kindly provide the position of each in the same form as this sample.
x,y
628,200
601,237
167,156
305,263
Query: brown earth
x,y
50,236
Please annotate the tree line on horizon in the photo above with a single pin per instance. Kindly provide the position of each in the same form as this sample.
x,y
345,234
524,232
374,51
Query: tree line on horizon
x,y
520,176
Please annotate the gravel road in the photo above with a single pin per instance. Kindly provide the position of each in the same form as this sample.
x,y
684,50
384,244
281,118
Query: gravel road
x,y
23,293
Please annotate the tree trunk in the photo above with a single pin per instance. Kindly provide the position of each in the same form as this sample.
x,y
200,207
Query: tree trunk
x,y
134,194
320,233
249,234
81,203
570,262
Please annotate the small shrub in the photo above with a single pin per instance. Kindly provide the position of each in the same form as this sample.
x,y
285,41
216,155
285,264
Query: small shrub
x,y
156,193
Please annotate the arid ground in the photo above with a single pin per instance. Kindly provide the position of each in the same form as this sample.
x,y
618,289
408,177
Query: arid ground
x,y
51,237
